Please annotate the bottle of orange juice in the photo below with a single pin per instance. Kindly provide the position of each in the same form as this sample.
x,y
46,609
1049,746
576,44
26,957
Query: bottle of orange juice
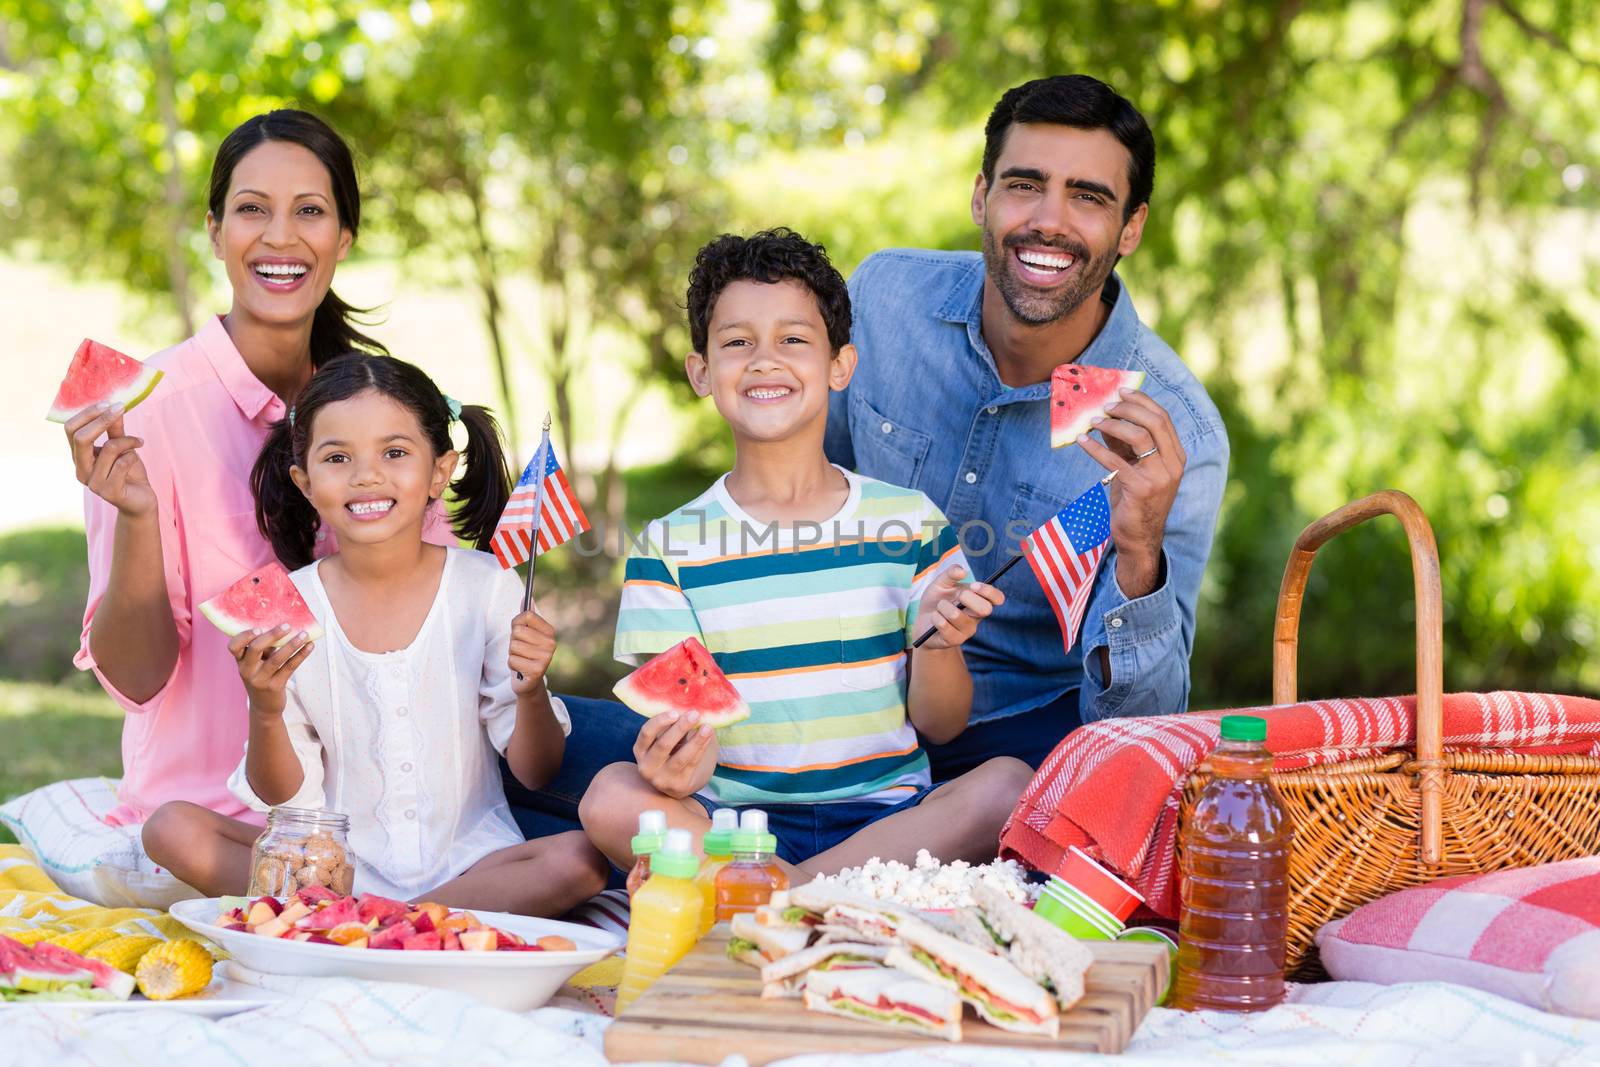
x,y
717,845
665,921
751,879
652,832
1235,888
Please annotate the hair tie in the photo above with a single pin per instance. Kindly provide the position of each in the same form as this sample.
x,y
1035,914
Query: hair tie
x,y
455,408
291,416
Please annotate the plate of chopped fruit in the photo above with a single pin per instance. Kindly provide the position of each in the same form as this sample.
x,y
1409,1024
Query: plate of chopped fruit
x,y
509,961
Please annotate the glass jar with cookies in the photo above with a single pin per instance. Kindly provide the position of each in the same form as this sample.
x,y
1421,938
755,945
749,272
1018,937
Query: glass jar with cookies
x,y
302,847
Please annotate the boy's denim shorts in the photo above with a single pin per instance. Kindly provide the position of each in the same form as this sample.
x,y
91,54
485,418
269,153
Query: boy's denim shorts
x,y
806,830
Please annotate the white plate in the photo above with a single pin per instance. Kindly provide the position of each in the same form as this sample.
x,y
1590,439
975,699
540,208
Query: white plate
x,y
517,981
222,997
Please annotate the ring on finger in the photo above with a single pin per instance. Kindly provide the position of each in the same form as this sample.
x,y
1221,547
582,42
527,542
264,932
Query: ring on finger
x,y
1152,450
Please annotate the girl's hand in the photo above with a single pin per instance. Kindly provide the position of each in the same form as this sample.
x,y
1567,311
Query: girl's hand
x,y
671,752
265,670
954,610
112,471
533,642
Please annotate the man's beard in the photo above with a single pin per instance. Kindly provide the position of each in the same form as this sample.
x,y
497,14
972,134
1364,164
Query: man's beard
x,y
1026,302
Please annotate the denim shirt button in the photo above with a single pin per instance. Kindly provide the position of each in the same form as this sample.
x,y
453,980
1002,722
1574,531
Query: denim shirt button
x,y
991,409
888,427
1116,623
972,476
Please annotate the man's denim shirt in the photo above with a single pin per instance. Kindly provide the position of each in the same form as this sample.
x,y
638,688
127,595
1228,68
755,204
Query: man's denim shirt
x,y
927,409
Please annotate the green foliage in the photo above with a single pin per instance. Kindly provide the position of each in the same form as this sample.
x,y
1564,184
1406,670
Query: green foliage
x,y
49,733
43,585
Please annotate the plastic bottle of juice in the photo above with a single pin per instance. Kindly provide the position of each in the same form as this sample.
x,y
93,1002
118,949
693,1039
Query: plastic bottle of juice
x,y
1235,886
751,879
652,833
665,921
717,844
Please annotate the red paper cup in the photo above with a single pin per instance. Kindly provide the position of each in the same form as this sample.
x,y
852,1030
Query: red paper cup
x,y
1098,884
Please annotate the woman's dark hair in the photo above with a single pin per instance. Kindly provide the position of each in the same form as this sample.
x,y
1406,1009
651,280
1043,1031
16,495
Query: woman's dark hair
x,y
1085,103
286,518
333,328
769,256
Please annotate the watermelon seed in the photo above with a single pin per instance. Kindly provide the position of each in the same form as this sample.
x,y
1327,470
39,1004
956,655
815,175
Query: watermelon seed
x,y
255,581
1076,388
683,681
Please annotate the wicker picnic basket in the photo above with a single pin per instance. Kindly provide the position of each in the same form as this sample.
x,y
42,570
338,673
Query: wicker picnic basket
x,y
1367,827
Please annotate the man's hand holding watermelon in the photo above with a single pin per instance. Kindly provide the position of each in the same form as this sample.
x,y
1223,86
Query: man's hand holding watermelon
x,y
1142,447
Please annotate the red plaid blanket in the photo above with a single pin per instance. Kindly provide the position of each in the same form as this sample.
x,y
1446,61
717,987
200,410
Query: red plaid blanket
x,y
1113,787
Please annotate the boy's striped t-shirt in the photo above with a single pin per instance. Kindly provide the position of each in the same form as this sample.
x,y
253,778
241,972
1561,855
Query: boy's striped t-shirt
x,y
810,623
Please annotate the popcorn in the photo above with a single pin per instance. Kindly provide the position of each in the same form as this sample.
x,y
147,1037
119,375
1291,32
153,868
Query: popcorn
x,y
931,885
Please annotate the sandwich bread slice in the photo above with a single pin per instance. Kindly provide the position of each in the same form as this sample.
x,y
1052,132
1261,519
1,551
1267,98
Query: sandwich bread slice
x,y
758,943
784,977
888,997
1042,951
1001,993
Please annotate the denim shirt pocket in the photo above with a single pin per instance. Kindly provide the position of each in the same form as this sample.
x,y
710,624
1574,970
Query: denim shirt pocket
x,y
885,448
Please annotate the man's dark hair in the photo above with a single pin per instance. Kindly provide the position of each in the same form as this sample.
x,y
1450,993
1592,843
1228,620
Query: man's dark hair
x,y
1087,104
769,256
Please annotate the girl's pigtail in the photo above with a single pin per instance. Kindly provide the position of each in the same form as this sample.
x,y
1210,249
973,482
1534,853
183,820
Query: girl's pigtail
x,y
482,491
283,514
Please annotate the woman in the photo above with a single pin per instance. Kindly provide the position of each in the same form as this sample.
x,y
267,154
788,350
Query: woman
x,y
168,509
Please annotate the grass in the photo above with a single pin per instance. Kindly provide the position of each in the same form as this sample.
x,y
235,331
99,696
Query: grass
x,y
53,732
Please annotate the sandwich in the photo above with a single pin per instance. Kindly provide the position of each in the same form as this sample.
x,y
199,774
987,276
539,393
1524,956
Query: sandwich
x,y
784,977
848,916
886,996
1000,992
1042,951
758,943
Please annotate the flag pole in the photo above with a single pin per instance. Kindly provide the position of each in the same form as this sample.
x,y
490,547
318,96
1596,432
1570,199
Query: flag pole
x,y
997,575
540,462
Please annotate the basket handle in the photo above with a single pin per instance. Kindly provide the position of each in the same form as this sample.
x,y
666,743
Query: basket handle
x,y
1430,636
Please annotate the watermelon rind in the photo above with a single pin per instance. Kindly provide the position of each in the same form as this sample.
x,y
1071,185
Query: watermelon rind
x,y
631,692
232,625
1068,433
129,396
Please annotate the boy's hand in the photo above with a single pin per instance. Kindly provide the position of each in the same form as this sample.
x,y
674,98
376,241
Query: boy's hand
x,y
533,642
954,610
671,752
265,670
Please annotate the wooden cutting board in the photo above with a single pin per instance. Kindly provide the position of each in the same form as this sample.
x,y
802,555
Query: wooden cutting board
x,y
709,1007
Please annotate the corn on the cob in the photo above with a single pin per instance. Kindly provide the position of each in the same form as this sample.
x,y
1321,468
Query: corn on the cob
x,y
123,953
81,941
35,935
174,969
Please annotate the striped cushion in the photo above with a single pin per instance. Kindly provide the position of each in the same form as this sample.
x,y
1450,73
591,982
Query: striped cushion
x,y
1532,935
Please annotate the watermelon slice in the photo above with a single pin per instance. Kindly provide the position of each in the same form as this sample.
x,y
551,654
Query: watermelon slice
x,y
1080,393
261,600
98,374
684,678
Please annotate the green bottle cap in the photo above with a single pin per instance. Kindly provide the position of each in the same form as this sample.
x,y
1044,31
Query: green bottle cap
x,y
752,835
718,841
1244,728
676,858
652,832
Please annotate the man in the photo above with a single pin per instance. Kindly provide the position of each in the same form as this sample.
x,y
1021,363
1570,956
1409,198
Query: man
x,y
952,397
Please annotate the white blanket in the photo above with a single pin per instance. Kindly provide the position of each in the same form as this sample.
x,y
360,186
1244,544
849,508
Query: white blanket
x,y
339,1022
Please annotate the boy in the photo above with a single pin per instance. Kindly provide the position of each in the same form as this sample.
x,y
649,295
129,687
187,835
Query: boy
x,y
808,584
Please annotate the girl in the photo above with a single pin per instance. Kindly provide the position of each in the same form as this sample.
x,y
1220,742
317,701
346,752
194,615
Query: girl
x,y
171,524
395,717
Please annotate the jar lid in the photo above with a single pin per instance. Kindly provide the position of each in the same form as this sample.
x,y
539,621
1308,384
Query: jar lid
x,y
1244,728
308,818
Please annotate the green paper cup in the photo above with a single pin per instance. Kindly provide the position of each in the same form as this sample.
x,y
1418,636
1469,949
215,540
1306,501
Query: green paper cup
x,y
1077,917
1156,935
1084,905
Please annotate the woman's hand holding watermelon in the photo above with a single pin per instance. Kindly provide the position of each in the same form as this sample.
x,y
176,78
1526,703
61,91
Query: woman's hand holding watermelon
x,y
112,471
676,753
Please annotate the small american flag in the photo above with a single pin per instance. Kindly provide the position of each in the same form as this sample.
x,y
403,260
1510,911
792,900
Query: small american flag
x,y
1066,552
561,519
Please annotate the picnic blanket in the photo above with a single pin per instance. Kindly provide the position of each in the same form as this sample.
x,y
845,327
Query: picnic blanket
x,y
336,1022
1113,787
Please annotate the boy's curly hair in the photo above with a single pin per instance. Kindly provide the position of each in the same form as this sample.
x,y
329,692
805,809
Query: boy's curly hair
x,y
769,256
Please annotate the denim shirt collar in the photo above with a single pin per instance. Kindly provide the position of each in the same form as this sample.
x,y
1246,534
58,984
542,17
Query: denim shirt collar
x,y
1112,347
